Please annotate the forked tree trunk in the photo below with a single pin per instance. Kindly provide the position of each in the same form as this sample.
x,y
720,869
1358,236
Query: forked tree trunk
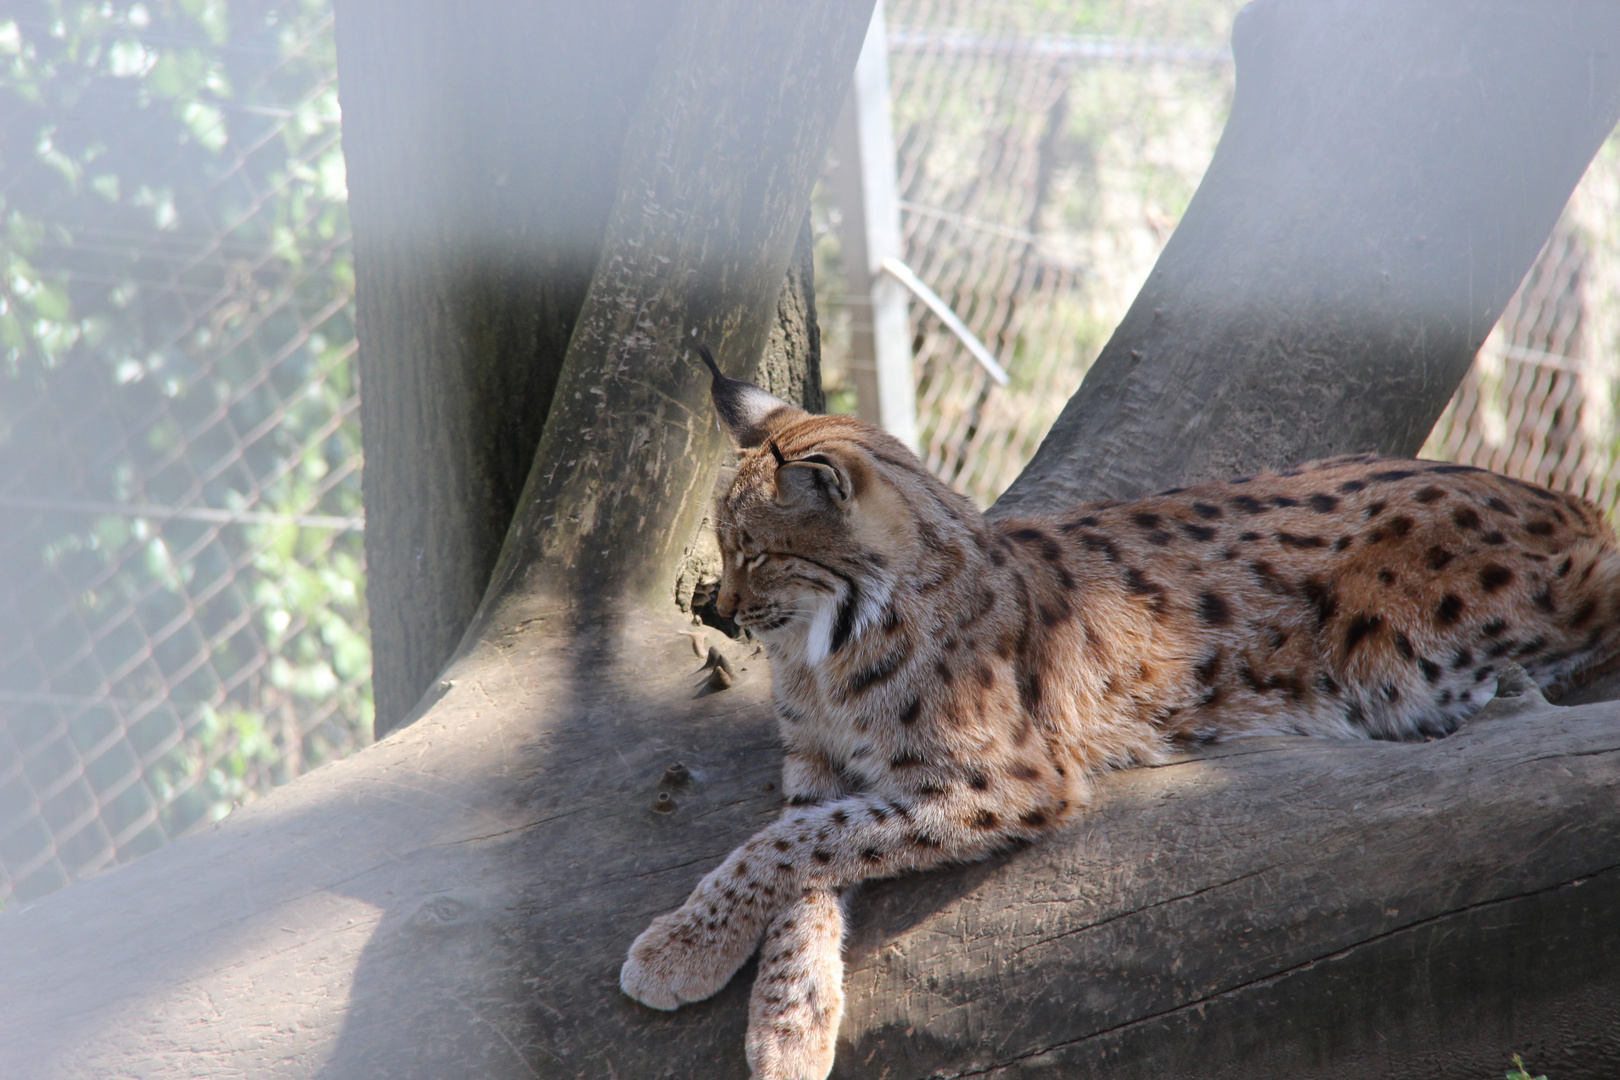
x,y
455,901
483,145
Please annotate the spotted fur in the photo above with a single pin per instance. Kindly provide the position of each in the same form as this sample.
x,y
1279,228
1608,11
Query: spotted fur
x,y
947,686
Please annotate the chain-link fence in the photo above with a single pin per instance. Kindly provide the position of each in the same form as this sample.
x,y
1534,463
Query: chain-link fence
x,y
1539,402
181,592
1044,154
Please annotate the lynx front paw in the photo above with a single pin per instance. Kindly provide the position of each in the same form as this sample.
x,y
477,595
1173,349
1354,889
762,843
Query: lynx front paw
x,y
798,997
798,1044
679,959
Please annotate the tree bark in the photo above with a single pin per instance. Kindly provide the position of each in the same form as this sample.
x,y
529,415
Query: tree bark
x,y
791,365
455,901
691,256
481,179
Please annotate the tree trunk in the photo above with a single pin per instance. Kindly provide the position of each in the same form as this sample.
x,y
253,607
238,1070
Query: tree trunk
x,y
455,901
483,144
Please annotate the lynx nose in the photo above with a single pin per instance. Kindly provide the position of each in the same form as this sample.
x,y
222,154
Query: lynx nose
x,y
726,602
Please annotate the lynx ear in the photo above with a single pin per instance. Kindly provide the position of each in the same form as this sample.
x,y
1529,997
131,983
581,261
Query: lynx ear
x,y
809,481
743,408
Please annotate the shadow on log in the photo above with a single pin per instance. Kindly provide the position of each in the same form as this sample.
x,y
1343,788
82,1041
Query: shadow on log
x,y
455,901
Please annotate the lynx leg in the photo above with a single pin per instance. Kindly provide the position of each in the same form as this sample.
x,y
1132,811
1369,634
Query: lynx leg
x,y
809,778
691,952
694,950
798,996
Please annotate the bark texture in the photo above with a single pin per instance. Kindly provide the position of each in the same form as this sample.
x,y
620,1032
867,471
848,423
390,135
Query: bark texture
x,y
481,179
791,365
1386,178
718,167
456,900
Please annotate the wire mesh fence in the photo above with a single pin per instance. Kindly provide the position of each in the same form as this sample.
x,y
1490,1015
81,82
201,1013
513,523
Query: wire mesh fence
x,y
181,616
1044,154
1539,401
182,622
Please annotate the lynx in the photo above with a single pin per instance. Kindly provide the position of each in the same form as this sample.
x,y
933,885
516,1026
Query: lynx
x,y
947,685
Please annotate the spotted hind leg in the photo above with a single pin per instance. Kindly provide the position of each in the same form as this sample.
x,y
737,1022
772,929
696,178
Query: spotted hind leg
x,y
798,996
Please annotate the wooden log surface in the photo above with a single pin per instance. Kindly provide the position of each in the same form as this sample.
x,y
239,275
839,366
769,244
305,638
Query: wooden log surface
x,y
1282,907
481,178
1273,907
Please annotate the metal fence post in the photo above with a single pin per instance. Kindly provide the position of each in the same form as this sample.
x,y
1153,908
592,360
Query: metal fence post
x,y
881,360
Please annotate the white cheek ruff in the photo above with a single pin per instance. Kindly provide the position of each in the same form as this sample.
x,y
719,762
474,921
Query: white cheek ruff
x,y
818,643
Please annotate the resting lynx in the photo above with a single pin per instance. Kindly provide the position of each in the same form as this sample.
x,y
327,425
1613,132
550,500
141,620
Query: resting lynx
x,y
947,685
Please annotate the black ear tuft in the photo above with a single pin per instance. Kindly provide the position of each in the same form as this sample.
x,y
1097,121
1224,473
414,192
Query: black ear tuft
x,y
708,361
743,408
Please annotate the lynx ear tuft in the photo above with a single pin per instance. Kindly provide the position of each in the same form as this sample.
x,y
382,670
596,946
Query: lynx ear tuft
x,y
745,411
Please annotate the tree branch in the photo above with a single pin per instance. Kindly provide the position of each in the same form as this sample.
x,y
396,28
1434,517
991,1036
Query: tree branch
x,y
718,170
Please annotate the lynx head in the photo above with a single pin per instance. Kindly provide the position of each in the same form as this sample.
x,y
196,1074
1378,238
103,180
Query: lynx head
x,y
815,523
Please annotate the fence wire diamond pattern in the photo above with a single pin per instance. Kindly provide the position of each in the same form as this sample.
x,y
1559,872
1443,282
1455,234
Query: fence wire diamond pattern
x,y
1045,153
181,615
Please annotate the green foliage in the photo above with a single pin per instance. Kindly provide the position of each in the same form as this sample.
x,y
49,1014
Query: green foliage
x,y
1519,1072
176,332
